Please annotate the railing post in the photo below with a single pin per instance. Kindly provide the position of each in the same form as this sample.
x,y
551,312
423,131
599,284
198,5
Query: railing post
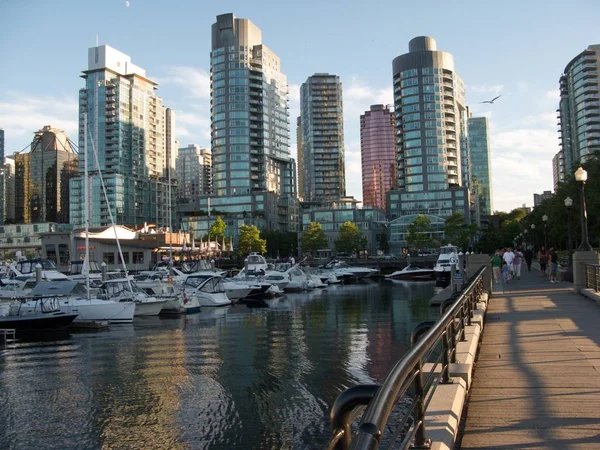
x,y
445,359
597,271
421,440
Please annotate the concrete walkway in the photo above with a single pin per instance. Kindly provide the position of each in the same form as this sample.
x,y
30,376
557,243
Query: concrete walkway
x,y
537,379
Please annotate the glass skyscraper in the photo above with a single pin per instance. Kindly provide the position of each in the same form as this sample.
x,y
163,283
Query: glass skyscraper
x,y
194,173
433,167
579,111
249,113
128,127
323,158
378,155
481,169
42,178
2,176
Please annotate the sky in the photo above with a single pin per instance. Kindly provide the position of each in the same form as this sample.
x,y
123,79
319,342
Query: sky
x,y
515,48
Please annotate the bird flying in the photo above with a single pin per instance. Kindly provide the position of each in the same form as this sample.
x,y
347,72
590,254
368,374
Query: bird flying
x,y
492,100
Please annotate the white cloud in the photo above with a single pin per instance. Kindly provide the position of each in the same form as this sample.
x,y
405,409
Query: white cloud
x,y
485,88
553,95
22,114
196,82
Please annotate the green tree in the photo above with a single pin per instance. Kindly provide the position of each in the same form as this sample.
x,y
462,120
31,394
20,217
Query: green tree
x,y
217,230
250,241
280,243
458,232
384,244
313,239
351,239
418,232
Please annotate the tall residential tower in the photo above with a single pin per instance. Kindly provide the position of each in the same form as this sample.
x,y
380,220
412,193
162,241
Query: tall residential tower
x,y
194,173
579,111
129,128
431,130
378,155
322,119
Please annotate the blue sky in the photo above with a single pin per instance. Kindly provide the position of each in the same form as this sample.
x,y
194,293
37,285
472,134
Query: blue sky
x,y
514,48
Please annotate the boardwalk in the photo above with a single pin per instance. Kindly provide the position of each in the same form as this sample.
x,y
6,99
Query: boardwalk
x,y
537,380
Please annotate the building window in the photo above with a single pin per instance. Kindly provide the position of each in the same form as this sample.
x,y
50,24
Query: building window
x,y
125,258
108,257
138,257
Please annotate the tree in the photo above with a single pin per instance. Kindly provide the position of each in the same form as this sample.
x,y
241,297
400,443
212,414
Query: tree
x,y
351,239
458,232
384,244
250,241
418,232
280,243
313,239
217,230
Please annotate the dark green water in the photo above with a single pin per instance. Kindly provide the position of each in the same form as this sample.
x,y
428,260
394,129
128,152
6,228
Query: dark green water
x,y
232,377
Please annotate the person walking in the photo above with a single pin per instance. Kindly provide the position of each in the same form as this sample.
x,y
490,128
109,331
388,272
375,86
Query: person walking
x,y
497,266
528,258
517,262
508,258
543,259
553,265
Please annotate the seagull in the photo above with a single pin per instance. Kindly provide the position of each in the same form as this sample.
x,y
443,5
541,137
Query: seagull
x,y
492,100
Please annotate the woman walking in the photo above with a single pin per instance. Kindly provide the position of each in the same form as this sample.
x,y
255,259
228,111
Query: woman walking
x,y
497,266
543,259
517,263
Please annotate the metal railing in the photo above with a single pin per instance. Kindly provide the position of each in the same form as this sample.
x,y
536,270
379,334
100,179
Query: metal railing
x,y
7,337
431,342
592,277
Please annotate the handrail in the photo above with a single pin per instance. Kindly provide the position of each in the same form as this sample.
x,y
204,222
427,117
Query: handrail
x,y
408,371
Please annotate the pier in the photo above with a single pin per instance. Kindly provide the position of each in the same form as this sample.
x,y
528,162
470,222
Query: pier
x,y
537,377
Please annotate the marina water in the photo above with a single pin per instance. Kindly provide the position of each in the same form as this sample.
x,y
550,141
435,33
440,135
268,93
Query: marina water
x,y
233,377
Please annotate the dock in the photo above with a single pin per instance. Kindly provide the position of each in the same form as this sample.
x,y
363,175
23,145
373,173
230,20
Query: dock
x,y
537,378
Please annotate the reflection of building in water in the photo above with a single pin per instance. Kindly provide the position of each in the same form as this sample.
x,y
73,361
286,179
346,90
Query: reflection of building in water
x,y
140,402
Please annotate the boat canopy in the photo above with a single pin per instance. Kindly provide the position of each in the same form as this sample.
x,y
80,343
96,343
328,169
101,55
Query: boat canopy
x,y
57,288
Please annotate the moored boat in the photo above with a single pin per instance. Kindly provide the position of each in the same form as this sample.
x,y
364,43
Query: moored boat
x,y
412,273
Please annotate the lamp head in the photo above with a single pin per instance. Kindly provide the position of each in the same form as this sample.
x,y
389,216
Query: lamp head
x,y
545,218
533,226
581,174
568,202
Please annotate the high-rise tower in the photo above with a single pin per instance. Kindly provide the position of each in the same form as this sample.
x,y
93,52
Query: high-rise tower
x,y
481,168
128,127
378,155
579,110
322,118
194,173
2,184
249,113
431,128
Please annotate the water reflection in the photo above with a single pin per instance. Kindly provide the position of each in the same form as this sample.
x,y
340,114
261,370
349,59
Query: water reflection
x,y
227,377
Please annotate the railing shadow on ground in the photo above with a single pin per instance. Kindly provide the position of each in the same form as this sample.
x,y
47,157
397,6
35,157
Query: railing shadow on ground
x,y
407,384
549,425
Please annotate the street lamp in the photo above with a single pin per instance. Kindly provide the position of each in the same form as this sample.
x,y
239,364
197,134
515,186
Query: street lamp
x,y
581,177
533,235
545,219
525,237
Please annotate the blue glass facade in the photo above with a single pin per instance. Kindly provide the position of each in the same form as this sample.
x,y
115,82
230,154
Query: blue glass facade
x,y
481,169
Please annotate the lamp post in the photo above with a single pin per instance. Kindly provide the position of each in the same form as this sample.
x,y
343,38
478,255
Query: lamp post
x,y
525,237
581,177
568,205
533,235
545,219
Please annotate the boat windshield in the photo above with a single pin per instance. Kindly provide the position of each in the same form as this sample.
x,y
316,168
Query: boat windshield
x,y
447,250
196,280
256,259
29,266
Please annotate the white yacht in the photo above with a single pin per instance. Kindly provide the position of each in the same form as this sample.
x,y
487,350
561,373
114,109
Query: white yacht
x,y
358,272
25,269
207,290
125,290
447,258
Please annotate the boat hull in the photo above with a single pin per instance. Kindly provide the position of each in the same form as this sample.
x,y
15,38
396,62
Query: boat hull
x,y
38,322
213,299
96,310
430,276
143,309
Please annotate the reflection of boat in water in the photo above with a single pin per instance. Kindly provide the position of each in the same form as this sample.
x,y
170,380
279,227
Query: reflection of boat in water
x,y
412,273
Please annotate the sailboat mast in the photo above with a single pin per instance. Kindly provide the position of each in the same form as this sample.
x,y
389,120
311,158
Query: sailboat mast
x,y
86,206
170,215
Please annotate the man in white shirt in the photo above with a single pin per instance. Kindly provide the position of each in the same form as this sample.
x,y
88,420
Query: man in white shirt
x,y
509,257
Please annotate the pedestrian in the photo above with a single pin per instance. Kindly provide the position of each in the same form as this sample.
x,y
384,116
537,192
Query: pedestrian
x,y
543,259
497,266
517,262
553,265
528,258
505,272
509,257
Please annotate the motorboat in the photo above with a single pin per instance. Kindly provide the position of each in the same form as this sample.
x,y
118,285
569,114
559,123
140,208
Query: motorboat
x,y
255,265
79,272
412,273
45,316
125,290
447,258
288,277
71,297
25,269
358,272
207,290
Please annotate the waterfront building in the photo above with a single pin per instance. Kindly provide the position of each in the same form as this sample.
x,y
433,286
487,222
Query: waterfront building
x,y
250,126
481,167
371,221
432,151
539,198
377,155
322,122
8,190
579,109
131,130
42,178
433,163
194,173
558,169
2,192
26,238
